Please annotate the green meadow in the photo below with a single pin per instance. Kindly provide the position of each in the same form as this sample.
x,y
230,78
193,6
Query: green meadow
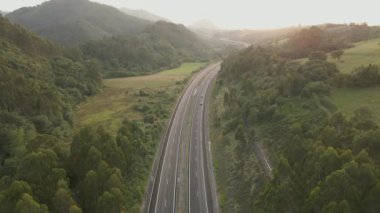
x,y
364,53
121,96
349,99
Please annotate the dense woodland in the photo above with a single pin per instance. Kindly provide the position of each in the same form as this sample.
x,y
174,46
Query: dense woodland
x,y
322,160
161,45
45,164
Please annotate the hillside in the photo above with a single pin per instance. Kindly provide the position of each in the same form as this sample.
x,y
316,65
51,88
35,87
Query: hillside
x,y
363,53
40,87
75,21
143,14
256,36
161,45
309,121
353,61
204,25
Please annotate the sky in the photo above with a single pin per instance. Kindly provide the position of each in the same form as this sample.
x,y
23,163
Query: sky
x,y
245,14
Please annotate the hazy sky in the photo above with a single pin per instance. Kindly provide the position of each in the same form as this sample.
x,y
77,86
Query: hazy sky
x,y
246,13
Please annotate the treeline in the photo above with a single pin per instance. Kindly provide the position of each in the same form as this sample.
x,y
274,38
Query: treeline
x,y
160,46
322,160
326,38
363,76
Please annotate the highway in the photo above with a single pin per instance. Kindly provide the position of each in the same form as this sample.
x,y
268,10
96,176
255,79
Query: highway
x,y
162,195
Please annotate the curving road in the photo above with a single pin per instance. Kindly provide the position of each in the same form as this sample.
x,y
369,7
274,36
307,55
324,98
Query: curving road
x,y
163,196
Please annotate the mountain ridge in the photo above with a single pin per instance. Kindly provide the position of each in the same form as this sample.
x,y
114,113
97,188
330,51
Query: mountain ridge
x,y
76,21
160,46
143,14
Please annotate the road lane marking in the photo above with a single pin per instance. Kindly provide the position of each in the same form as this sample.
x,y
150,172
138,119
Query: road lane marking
x,y
190,149
195,91
176,179
198,78
196,174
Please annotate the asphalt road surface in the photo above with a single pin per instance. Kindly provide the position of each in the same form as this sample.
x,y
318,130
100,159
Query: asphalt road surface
x,y
163,195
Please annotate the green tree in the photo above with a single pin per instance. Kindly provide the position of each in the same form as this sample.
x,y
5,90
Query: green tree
x,y
75,209
317,55
337,54
28,205
363,119
13,194
63,200
111,202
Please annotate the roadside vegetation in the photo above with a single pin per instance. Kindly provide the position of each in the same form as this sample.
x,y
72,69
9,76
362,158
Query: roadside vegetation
x,y
131,116
135,98
324,158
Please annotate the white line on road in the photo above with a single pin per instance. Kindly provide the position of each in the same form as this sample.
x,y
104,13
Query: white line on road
x,y
164,151
195,91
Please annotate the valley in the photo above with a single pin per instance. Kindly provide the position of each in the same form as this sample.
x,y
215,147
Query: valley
x,y
108,107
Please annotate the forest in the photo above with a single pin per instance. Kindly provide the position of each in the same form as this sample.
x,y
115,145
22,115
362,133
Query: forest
x,y
160,46
46,165
279,141
323,160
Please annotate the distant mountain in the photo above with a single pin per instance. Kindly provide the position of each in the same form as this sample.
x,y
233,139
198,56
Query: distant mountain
x,y
162,45
2,13
179,36
143,14
204,25
75,21
257,36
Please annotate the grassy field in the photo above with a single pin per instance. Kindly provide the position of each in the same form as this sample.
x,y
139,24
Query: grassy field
x,y
364,53
347,100
162,79
120,96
